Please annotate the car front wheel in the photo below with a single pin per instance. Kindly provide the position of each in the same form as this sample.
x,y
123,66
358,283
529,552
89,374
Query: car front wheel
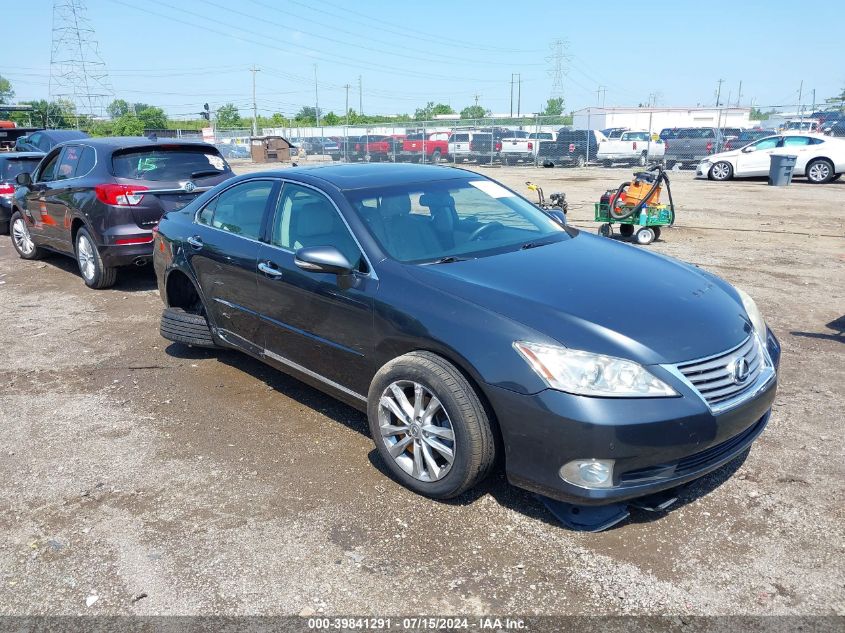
x,y
94,273
721,171
820,171
429,426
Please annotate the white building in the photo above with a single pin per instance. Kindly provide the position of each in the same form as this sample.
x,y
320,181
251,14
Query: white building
x,y
655,119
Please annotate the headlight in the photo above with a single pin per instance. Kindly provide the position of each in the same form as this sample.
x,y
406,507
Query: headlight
x,y
754,315
587,374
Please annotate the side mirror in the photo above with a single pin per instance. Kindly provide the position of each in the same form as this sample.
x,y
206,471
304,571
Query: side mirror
x,y
24,179
322,259
749,149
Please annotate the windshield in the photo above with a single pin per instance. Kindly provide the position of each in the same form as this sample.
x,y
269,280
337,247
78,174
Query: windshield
x,y
14,166
463,218
162,163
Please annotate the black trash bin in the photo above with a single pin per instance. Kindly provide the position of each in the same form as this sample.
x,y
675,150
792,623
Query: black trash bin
x,y
780,169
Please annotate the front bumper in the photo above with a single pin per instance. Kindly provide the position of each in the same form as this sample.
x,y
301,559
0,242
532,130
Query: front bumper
x,y
657,443
702,170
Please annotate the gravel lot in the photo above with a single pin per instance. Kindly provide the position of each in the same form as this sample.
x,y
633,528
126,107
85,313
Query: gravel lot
x,y
209,483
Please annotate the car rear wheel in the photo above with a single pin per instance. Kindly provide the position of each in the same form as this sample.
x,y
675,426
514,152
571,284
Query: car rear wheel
x,y
429,426
580,160
435,156
820,171
721,171
94,273
21,239
186,328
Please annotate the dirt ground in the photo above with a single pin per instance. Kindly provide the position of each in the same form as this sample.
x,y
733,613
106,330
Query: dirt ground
x,y
141,477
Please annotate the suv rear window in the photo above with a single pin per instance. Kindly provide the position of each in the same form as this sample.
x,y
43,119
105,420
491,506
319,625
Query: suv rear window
x,y
12,167
694,132
168,163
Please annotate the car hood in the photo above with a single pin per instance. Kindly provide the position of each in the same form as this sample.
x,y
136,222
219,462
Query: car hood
x,y
602,296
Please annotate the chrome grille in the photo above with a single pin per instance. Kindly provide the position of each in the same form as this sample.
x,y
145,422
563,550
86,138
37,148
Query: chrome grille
x,y
714,377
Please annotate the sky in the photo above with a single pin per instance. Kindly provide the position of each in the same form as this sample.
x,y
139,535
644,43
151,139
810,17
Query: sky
x,y
179,54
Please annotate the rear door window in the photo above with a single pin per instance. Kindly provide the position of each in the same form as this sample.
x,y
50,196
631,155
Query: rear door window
x,y
68,162
794,141
239,209
169,163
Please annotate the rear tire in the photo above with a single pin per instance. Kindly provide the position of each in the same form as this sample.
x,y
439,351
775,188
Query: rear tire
x,y
819,171
580,160
21,238
435,157
186,328
94,273
447,453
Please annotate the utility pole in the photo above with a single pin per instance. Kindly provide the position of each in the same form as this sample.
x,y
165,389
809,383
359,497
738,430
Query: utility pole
x,y
602,90
719,92
518,94
739,94
254,70
316,97
360,98
800,101
512,76
347,86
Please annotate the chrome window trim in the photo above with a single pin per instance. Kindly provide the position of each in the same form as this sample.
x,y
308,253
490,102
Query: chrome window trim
x,y
61,153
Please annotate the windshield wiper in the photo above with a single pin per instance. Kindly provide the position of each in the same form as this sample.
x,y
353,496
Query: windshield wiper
x,y
449,259
205,172
535,244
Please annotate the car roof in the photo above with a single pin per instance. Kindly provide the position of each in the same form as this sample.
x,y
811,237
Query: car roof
x,y
347,177
18,155
63,135
124,142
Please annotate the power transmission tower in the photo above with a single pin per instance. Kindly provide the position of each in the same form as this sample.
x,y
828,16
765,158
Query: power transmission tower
x,y
556,71
77,72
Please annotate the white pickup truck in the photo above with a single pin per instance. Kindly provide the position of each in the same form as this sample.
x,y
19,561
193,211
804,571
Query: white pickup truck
x,y
515,148
634,147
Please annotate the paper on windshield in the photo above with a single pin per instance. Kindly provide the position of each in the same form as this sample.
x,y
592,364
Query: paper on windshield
x,y
492,189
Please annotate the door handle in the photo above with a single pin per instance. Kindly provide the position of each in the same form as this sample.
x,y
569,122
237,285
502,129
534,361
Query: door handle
x,y
195,241
269,268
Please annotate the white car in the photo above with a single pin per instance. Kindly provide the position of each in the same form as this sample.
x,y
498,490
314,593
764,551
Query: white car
x,y
820,158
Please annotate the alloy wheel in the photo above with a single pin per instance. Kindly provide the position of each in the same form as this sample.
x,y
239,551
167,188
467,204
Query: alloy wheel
x,y
721,171
416,430
85,256
819,172
20,234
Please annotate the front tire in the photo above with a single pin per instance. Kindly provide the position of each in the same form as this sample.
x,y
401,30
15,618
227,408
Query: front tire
x,y
21,238
721,171
820,171
644,236
94,272
429,426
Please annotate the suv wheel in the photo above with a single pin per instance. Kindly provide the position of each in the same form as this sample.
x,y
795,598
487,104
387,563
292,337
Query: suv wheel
x,y
94,273
580,160
21,239
429,426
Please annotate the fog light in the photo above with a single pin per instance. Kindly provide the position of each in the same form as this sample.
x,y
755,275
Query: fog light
x,y
588,473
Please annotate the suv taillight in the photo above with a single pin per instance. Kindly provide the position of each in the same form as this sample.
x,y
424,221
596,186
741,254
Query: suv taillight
x,y
120,195
7,190
498,146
